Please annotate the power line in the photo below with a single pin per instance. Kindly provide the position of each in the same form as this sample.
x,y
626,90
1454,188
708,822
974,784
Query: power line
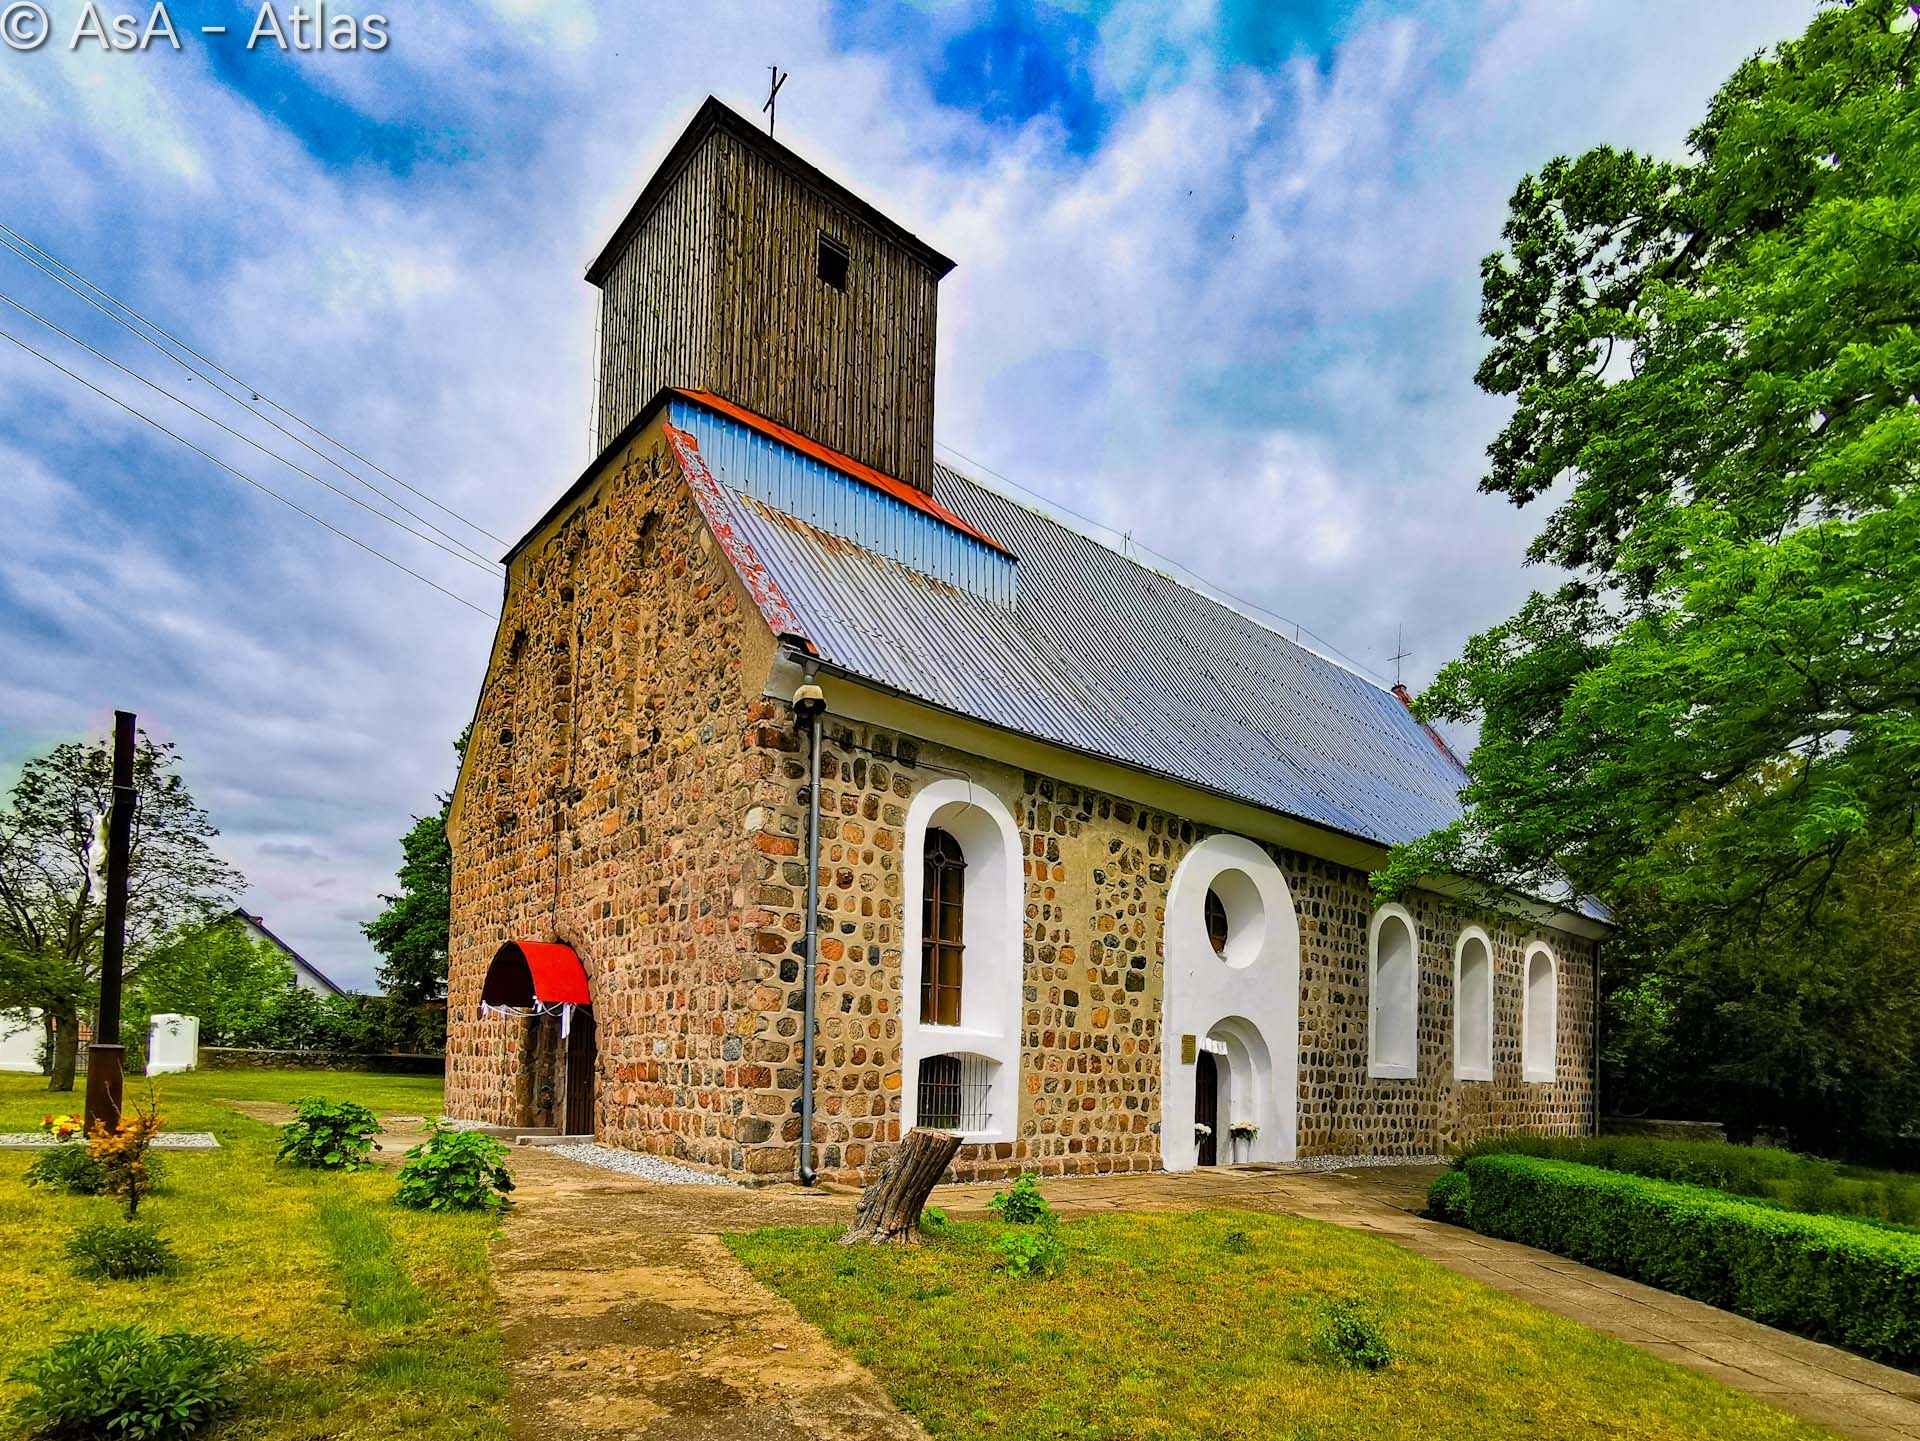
x,y
50,264
463,554
1334,652
242,475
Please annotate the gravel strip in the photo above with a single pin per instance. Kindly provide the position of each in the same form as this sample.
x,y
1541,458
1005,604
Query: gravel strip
x,y
1357,1163
637,1163
165,1141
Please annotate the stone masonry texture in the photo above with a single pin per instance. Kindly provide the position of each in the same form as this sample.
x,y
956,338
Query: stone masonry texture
x,y
628,791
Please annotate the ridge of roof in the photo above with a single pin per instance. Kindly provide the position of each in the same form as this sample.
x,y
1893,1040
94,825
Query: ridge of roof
x,y
715,115
1191,582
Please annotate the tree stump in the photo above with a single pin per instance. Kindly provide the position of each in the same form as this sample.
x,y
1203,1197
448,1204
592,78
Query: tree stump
x,y
890,1207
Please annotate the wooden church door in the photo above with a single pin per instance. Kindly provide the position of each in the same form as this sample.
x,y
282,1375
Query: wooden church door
x,y
1206,1107
582,1051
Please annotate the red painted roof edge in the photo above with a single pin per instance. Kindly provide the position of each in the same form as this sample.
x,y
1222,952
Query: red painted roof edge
x,y
845,464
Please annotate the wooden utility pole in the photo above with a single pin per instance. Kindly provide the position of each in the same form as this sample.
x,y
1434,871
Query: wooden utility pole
x,y
106,1057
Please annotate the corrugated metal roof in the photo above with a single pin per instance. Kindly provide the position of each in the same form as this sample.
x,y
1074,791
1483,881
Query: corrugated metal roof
x,y
1095,652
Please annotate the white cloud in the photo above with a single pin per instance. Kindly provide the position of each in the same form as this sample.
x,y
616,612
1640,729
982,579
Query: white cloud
x,y
1242,327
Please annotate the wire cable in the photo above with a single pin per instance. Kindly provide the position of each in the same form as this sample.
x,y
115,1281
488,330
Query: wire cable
x,y
473,559
6,334
51,265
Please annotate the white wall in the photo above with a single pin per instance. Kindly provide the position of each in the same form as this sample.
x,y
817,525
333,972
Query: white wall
x,y
1247,1001
21,1035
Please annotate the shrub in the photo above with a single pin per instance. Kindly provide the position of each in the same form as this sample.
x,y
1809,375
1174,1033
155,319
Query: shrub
x,y
455,1171
1033,1250
1447,1197
329,1135
1022,1204
127,1383
1238,1242
932,1218
1836,1280
1347,1333
1800,1183
119,1251
122,1155
68,1168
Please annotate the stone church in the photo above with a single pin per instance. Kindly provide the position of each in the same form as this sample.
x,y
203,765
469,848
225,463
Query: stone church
x,y
787,724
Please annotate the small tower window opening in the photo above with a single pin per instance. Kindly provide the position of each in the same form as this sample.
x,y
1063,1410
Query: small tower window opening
x,y
942,930
1217,922
835,261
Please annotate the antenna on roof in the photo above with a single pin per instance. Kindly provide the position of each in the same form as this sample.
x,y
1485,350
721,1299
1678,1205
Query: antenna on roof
x,y
1400,652
777,78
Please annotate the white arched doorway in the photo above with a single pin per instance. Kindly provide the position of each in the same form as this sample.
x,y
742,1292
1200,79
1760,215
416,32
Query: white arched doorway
x,y
1232,995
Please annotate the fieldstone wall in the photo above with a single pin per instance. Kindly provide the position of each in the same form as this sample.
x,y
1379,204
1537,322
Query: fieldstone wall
x,y
1097,872
613,765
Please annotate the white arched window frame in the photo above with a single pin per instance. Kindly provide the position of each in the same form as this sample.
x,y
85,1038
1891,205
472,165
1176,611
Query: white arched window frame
x,y
1539,1013
1240,1002
1473,1005
993,927
1393,995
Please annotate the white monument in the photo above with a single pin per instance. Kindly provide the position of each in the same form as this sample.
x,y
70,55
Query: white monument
x,y
21,1035
173,1044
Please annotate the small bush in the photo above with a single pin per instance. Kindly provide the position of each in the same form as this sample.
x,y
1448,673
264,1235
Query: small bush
x,y
127,1383
68,1168
1238,1242
119,1251
933,1219
1346,1333
1447,1197
455,1171
1022,1204
1849,1282
122,1155
329,1135
1032,1251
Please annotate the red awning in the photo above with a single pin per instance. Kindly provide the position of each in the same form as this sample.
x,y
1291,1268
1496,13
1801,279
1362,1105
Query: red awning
x,y
523,972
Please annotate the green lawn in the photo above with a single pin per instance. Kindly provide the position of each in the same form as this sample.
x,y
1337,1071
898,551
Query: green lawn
x,y
1159,1327
379,1321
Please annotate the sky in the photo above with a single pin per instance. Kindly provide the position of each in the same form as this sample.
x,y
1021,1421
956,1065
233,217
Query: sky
x,y
1217,289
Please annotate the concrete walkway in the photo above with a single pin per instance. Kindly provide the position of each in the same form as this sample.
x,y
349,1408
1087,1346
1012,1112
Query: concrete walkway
x,y
1833,1388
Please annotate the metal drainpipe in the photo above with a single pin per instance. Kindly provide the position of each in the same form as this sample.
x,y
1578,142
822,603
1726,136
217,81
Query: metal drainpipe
x,y
809,702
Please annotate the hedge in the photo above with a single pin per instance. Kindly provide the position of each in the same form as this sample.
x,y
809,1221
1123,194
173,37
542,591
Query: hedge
x,y
1822,1276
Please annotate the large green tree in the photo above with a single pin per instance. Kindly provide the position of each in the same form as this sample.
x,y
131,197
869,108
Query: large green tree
x,y
52,909
218,973
1714,721
411,933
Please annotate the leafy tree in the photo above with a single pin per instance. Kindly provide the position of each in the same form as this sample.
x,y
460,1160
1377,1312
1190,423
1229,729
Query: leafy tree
x,y
411,933
216,972
1714,721
52,911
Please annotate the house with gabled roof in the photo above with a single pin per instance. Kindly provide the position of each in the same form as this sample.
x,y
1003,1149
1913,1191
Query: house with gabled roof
x,y
818,790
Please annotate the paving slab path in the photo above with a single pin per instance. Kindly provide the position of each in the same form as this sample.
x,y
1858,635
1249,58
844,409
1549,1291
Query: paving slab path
x,y
625,1316
1817,1383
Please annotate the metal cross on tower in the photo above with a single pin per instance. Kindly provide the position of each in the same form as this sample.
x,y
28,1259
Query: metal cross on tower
x,y
1400,651
778,77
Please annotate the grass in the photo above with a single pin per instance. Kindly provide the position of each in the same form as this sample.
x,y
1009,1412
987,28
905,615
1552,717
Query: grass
x,y
1206,1325
379,1322
1775,1177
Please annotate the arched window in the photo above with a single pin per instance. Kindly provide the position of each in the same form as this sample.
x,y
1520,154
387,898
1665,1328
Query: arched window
x,y
1216,915
942,930
1540,1014
1393,996
1473,1006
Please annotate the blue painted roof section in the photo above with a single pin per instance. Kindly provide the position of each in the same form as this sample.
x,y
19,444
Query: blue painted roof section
x,y
811,490
1093,651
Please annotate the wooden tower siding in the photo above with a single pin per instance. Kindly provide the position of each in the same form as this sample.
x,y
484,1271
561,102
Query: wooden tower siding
x,y
718,288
